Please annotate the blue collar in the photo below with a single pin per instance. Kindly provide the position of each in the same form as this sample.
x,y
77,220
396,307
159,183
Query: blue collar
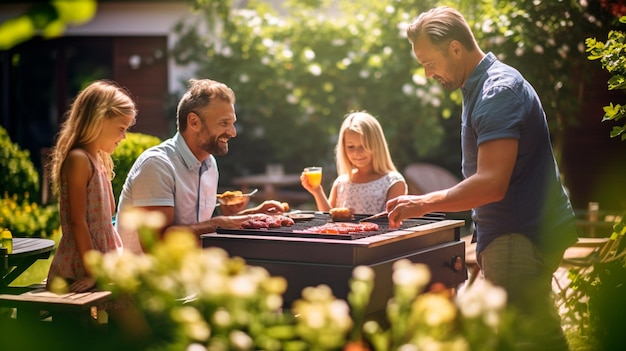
x,y
474,77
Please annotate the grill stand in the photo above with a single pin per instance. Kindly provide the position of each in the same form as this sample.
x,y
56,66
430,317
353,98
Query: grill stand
x,y
309,262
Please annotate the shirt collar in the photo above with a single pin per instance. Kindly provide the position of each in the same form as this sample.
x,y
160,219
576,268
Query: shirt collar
x,y
189,159
474,77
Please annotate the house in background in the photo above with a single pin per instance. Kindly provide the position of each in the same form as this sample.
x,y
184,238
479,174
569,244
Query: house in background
x,y
125,41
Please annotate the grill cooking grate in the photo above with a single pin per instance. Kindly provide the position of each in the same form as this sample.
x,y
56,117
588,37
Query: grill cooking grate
x,y
322,218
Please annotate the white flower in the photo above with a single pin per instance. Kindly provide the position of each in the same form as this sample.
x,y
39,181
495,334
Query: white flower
x,y
195,347
407,89
268,43
363,273
491,319
226,51
274,302
222,318
495,298
193,323
313,318
435,309
339,311
315,69
309,54
402,27
292,99
408,274
213,285
243,286
419,79
287,53
487,26
241,340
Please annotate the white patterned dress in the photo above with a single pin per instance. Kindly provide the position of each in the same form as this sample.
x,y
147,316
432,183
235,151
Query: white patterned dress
x,y
365,198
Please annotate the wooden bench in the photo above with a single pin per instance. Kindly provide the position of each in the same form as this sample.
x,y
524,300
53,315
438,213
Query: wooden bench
x,y
74,308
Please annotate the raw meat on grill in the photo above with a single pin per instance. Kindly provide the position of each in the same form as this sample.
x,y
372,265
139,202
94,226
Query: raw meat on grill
x,y
341,228
267,221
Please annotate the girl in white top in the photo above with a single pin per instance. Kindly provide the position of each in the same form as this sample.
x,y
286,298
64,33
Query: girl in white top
x,y
367,176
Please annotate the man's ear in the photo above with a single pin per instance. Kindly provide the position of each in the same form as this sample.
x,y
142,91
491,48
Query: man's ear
x,y
193,120
455,48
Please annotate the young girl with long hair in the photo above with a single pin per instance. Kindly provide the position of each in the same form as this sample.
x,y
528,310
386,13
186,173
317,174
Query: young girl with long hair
x,y
81,172
367,176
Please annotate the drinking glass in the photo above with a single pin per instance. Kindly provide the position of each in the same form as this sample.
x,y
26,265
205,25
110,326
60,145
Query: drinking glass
x,y
314,175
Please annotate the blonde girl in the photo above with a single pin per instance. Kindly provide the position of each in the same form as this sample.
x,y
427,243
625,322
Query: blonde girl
x,y
81,171
367,177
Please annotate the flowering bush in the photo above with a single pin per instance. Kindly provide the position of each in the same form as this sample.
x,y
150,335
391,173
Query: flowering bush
x,y
204,299
28,219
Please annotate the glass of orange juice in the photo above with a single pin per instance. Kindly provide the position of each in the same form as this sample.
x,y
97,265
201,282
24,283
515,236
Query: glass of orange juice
x,y
314,175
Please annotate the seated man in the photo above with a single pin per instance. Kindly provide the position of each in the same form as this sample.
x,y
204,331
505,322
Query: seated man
x,y
179,177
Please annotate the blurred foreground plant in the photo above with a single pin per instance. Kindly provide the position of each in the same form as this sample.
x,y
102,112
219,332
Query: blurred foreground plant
x,y
204,299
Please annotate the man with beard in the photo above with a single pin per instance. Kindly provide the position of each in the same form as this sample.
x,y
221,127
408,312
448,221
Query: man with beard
x,y
179,177
523,218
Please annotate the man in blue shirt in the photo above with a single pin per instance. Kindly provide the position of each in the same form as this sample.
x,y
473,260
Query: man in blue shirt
x,y
523,218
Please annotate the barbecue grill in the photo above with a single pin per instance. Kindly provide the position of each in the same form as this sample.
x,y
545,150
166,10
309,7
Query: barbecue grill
x,y
309,259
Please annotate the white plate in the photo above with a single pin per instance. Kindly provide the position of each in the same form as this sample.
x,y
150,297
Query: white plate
x,y
234,199
297,216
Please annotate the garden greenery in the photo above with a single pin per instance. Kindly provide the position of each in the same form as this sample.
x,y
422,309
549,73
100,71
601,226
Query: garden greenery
x,y
125,155
20,209
48,19
598,306
297,70
611,55
18,175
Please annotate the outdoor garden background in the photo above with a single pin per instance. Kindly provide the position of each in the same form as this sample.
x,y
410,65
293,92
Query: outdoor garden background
x,y
298,69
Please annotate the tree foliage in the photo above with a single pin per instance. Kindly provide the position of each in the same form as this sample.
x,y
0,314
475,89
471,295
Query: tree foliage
x,y
611,55
297,71
48,19
297,74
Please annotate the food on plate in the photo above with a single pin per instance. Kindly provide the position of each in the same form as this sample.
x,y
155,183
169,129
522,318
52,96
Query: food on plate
x,y
285,207
230,193
261,221
341,214
341,228
234,197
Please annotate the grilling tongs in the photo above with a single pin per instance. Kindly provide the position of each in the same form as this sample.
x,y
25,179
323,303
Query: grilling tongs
x,y
378,215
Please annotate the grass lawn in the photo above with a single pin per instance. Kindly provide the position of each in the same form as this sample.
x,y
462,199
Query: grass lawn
x,y
36,273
